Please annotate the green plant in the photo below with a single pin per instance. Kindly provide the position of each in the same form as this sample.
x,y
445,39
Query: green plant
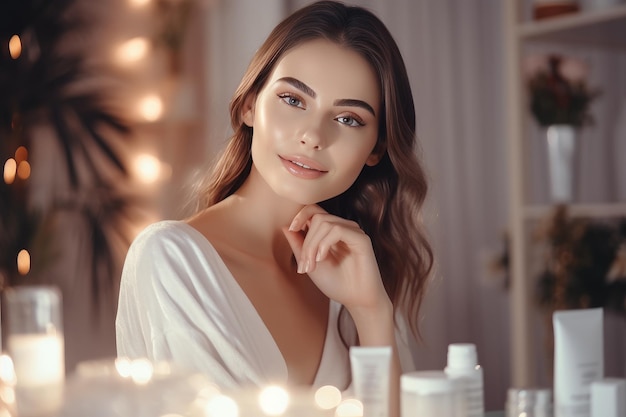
x,y
556,98
46,83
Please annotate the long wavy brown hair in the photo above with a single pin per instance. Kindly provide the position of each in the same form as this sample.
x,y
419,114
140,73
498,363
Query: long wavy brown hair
x,y
386,199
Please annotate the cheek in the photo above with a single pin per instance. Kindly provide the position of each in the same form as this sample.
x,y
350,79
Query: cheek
x,y
271,122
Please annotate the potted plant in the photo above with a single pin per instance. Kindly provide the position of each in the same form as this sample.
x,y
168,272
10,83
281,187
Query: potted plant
x,y
559,99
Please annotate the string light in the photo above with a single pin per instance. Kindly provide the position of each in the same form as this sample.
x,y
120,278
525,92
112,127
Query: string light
x,y
15,47
23,170
21,154
151,107
10,170
139,3
23,262
147,168
132,50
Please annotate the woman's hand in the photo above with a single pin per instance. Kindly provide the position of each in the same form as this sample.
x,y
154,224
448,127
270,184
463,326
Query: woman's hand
x,y
339,258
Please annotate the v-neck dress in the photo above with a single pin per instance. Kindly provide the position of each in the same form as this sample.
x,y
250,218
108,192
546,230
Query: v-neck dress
x,y
178,302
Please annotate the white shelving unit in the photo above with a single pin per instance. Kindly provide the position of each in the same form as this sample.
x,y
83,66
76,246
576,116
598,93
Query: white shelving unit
x,y
596,28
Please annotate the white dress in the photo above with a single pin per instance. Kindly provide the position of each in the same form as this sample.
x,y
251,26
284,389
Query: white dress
x,y
179,303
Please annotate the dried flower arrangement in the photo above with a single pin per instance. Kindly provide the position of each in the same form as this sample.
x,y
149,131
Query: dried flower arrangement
x,y
558,92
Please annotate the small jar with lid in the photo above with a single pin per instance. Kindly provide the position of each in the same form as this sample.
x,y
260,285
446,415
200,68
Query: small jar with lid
x,y
431,393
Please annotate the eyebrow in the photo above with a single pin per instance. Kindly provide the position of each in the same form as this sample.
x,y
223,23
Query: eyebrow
x,y
351,102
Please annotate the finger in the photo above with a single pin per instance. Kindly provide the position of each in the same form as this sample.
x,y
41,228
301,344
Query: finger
x,y
295,240
303,217
325,235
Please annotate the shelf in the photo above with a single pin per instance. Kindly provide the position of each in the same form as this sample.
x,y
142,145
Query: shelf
x,y
536,212
598,27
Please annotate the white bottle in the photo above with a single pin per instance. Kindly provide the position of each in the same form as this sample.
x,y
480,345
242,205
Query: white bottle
x,y
463,364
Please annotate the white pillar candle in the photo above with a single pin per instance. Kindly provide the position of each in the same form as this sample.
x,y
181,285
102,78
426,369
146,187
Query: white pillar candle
x,y
38,359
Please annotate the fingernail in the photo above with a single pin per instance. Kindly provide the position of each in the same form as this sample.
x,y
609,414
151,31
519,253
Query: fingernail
x,y
292,226
306,266
318,257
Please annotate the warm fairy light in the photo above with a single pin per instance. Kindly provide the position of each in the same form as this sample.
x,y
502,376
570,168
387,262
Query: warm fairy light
x,y
147,168
15,47
141,371
132,50
327,397
123,366
23,262
21,154
350,408
273,400
151,107
221,406
139,3
10,170
23,170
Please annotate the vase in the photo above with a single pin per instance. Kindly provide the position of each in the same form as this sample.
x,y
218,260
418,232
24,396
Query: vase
x,y
561,140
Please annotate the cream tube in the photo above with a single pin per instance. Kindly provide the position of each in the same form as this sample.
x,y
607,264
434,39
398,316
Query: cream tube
x,y
371,367
578,359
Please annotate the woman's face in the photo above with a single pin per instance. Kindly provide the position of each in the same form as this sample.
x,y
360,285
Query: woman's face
x,y
315,122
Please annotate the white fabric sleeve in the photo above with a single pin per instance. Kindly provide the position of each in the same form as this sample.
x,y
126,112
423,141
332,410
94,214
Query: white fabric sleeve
x,y
162,318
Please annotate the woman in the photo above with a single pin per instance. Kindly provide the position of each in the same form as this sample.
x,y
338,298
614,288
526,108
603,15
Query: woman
x,y
309,239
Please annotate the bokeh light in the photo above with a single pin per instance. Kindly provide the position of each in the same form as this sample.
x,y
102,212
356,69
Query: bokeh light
x,y
221,406
151,107
10,171
132,50
141,371
273,400
23,170
23,262
327,397
15,47
350,408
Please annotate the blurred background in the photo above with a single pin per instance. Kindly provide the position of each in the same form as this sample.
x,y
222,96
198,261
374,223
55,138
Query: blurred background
x,y
111,110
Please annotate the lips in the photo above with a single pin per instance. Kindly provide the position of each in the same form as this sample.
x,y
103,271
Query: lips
x,y
302,167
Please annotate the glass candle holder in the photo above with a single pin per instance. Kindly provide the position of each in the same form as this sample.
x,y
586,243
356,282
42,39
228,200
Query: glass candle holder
x,y
35,343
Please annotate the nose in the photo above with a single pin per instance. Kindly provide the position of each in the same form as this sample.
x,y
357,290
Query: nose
x,y
313,137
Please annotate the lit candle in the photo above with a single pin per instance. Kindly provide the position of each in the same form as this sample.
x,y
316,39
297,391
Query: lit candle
x,y
36,346
39,365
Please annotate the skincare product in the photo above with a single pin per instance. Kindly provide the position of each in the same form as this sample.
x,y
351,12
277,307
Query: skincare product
x,y
463,365
529,402
608,398
578,359
370,378
431,393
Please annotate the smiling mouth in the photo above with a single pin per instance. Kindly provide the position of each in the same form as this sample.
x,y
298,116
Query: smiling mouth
x,y
300,164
